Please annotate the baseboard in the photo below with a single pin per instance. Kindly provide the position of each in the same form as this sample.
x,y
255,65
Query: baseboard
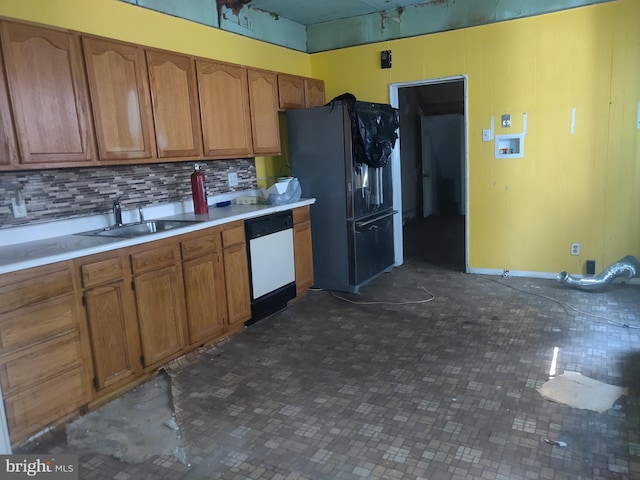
x,y
513,273
545,275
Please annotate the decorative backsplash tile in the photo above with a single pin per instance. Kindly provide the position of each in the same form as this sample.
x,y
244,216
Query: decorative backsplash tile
x,y
75,192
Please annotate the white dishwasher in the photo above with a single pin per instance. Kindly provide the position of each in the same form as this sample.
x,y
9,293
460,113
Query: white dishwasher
x,y
271,263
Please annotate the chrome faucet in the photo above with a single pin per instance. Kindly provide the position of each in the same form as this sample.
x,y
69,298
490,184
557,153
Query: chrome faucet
x,y
117,211
141,213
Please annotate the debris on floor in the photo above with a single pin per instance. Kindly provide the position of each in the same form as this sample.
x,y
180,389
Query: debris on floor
x,y
133,427
555,443
576,390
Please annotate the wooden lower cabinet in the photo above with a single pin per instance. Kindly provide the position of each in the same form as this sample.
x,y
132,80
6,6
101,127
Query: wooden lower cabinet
x,y
111,317
161,314
114,335
236,272
44,355
204,288
143,306
302,248
34,408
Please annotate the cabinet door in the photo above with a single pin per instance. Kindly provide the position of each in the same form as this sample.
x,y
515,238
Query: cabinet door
x,y
205,296
290,91
120,99
303,256
8,145
236,271
160,305
174,96
313,92
113,333
224,107
263,95
48,94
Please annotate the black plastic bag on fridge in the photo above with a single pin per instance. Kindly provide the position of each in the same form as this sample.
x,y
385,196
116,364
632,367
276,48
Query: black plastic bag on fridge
x,y
373,129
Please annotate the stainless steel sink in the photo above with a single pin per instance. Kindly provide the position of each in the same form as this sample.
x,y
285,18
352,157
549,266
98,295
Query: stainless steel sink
x,y
132,230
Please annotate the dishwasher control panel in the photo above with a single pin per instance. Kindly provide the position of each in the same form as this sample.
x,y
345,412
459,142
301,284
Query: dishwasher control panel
x,y
268,224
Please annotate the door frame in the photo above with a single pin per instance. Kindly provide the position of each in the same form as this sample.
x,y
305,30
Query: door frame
x,y
396,169
427,171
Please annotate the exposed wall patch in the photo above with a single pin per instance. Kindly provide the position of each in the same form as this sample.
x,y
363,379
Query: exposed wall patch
x,y
234,5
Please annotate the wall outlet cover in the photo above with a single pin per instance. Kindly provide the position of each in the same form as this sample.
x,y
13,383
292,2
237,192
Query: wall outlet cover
x,y
232,177
19,207
575,249
486,135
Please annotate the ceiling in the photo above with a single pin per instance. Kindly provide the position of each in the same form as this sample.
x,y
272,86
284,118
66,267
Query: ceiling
x,y
313,26
313,12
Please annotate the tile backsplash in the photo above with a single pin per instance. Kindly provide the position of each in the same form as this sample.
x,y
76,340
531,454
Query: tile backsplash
x,y
75,192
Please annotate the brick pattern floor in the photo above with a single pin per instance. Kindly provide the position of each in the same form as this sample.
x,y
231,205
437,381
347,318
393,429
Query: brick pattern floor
x,y
444,389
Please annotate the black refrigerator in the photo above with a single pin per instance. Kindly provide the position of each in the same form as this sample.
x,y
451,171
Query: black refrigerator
x,y
341,155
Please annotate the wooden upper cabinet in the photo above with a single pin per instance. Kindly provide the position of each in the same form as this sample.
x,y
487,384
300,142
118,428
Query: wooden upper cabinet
x,y
224,107
174,96
263,95
313,92
120,98
48,94
290,91
8,145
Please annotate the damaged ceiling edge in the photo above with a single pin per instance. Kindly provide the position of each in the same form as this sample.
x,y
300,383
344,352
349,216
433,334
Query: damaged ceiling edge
x,y
255,21
234,5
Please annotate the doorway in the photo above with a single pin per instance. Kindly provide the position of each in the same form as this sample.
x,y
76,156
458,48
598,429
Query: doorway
x,y
432,171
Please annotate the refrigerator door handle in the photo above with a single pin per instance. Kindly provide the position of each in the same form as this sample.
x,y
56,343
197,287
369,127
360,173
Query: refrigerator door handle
x,y
373,220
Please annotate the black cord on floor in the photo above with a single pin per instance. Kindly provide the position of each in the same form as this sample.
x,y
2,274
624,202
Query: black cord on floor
x,y
410,302
563,304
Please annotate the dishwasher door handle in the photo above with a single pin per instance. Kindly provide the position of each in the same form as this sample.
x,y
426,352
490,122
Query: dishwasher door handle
x,y
373,220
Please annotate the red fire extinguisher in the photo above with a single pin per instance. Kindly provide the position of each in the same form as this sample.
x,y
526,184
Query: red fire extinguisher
x,y
199,191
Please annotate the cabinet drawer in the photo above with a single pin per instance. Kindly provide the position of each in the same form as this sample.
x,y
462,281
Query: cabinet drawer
x,y
101,272
41,361
300,214
35,408
35,289
198,246
233,234
36,323
152,259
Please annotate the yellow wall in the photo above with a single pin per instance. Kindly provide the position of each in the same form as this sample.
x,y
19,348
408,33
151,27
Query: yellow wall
x,y
523,213
585,187
130,23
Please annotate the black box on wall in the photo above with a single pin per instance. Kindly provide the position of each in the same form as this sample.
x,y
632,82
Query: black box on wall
x,y
385,59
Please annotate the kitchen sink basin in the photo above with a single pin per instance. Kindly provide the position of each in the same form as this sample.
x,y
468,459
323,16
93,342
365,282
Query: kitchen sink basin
x,y
133,230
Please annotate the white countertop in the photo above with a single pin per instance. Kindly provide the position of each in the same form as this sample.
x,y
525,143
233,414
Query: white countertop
x,y
69,245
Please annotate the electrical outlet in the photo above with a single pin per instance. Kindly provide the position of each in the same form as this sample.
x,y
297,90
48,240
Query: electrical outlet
x,y
19,206
575,249
232,177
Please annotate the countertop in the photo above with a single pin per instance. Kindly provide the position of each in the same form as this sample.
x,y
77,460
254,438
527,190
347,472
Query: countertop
x,y
45,251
